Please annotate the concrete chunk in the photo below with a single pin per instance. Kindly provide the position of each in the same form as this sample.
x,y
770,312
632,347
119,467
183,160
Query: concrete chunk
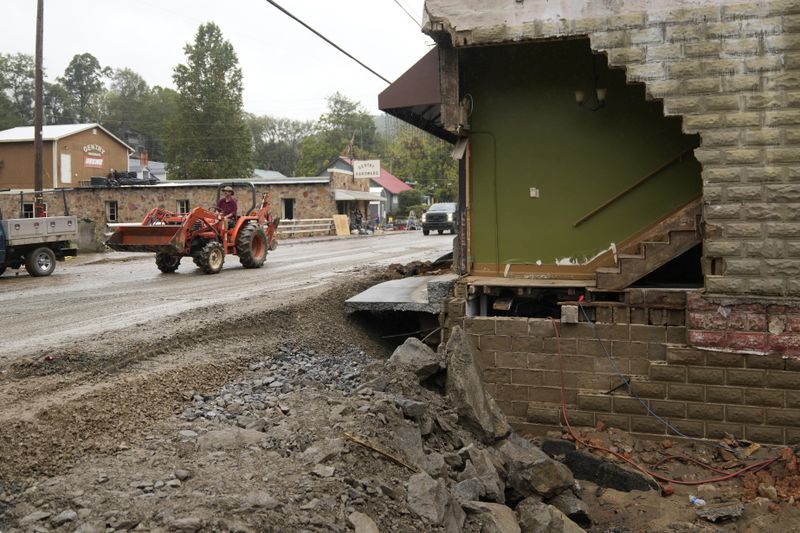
x,y
428,498
531,472
418,357
538,517
476,408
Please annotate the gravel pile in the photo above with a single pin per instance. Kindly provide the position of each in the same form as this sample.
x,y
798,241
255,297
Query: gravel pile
x,y
275,375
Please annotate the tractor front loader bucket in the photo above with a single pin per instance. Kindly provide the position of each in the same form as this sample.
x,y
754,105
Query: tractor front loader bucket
x,y
167,239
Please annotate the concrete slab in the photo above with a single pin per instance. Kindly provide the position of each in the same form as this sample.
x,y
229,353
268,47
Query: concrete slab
x,y
422,294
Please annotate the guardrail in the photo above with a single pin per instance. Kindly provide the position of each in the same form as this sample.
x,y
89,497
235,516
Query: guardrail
x,y
305,227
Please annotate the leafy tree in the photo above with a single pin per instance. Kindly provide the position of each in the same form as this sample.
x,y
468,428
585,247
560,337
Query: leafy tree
x,y
16,82
346,129
277,141
83,81
125,101
57,107
8,115
424,160
208,138
161,105
407,200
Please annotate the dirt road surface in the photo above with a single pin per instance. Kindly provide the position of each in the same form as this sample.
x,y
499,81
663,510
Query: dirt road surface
x,y
103,293
107,346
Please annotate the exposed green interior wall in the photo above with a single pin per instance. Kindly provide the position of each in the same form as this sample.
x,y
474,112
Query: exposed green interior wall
x,y
528,131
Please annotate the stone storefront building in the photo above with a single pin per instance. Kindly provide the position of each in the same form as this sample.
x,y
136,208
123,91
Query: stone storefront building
x,y
640,160
290,198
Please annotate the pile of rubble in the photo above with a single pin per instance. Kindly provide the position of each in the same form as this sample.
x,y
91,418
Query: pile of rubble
x,y
433,418
482,469
313,440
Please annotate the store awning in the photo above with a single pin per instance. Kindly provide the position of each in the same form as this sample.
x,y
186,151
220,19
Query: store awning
x,y
343,195
415,97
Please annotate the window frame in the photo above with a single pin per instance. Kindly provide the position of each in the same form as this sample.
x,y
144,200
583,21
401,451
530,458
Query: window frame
x,y
29,209
112,205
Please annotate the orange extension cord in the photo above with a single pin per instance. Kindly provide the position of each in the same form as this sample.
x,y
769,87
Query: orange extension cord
x,y
659,479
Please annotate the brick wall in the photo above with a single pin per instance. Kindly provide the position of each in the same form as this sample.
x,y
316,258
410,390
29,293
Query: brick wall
x,y
744,327
703,393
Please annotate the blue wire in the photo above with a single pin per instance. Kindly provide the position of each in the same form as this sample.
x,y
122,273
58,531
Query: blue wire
x,y
632,394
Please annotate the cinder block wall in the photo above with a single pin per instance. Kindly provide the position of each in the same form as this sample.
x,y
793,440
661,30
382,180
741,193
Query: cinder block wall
x,y
733,73
703,393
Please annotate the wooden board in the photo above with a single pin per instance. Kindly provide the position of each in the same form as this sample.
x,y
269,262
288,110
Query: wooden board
x,y
342,224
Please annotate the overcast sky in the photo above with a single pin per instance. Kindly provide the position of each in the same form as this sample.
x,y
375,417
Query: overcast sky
x,y
288,71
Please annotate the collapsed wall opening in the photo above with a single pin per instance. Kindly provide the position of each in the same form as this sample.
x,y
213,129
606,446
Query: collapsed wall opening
x,y
571,167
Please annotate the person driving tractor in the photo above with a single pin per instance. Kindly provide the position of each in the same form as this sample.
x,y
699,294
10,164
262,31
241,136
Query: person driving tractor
x,y
227,205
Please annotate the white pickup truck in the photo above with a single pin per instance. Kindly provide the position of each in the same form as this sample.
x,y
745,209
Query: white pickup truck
x,y
37,243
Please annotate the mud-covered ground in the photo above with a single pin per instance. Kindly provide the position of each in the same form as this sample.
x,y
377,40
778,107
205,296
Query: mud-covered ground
x,y
246,415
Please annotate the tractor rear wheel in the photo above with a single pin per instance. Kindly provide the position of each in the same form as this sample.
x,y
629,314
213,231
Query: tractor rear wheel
x,y
211,258
251,246
167,263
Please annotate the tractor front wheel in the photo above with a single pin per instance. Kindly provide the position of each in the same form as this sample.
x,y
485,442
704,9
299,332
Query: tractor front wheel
x,y
211,258
251,246
167,263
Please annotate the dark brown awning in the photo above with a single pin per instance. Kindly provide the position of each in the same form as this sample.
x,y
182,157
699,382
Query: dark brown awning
x,y
416,96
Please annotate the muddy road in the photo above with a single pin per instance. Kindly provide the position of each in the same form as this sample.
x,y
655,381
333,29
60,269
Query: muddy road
x,y
103,293
96,354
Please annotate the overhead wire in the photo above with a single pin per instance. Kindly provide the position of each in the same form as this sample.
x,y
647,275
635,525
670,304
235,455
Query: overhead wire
x,y
401,6
318,34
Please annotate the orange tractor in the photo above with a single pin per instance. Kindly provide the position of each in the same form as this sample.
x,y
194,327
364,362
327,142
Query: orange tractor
x,y
203,235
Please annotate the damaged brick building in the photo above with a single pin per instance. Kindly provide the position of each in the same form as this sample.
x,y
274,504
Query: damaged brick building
x,y
632,168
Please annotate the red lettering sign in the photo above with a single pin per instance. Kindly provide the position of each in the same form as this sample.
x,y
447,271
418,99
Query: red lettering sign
x,y
93,162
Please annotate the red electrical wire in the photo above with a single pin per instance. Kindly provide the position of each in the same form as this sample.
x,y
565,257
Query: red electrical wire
x,y
656,476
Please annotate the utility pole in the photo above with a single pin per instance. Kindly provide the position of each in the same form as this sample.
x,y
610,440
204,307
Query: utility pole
x,y
37,114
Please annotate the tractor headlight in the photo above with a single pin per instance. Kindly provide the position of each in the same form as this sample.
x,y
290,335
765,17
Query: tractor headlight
x,y
449,217
424,216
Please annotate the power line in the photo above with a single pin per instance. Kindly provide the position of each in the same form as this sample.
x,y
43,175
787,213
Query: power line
x,y
401,6
318,34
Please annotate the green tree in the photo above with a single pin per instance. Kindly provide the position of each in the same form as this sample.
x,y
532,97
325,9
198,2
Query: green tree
x,y
407,200
424,160
125,101
277,141
346,129
16,83
208,138
83,81
57,107
8,115
161,105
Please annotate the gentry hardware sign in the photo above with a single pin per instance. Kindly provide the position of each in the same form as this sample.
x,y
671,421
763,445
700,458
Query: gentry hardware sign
x,y
367,169
94,156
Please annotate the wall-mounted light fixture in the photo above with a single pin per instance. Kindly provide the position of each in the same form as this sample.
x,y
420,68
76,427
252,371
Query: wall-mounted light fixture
x,y
595,98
